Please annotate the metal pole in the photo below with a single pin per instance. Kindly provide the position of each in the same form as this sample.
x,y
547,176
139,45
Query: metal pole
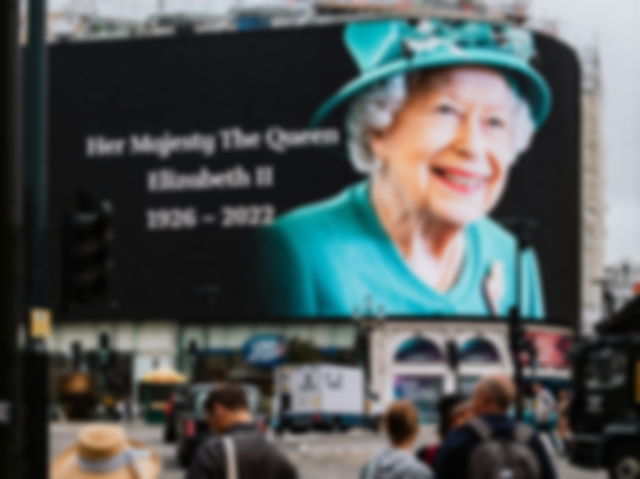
x,y
36,389
364,350
36,74
515,317
515,324
10,231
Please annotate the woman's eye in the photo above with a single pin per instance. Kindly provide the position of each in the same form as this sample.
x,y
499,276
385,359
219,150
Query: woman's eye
x,y
446,109
496,122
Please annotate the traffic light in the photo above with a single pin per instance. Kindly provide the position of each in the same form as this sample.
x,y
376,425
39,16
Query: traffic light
x,y
523,348
453,358
105,356
88,249
76,355
192,347
517,336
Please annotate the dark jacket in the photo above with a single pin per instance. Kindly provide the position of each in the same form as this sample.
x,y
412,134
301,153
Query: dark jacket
x,y
455,454
256,457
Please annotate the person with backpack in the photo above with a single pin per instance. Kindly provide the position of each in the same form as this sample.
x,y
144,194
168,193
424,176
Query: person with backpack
x,y
402,425
238,450
492,445
453,411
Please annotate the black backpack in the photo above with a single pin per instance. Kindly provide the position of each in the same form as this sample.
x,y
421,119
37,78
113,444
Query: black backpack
x,y
502,458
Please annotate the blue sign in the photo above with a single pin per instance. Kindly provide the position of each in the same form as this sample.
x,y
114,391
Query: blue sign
x,y
265,350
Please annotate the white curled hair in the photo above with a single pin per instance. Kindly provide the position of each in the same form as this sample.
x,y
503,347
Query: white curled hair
x,y
375,109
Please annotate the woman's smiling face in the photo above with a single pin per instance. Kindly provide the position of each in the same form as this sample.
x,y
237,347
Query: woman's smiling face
x,y
450,147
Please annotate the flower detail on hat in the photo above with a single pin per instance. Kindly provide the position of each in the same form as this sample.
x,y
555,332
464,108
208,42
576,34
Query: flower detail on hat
x,y
431,35
519,43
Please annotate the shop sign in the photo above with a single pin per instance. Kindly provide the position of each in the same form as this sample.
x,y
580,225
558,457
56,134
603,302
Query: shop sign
x,y
265,350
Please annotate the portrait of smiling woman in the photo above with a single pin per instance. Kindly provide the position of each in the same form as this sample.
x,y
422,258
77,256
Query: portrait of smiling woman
x,y
435,120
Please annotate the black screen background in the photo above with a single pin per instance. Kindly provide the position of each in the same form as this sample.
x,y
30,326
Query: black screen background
x,y
254,79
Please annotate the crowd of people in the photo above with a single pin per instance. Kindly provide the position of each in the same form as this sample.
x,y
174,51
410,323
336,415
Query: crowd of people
x,y
478,438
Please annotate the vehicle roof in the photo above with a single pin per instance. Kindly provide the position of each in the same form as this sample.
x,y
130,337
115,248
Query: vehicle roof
x,y
206,386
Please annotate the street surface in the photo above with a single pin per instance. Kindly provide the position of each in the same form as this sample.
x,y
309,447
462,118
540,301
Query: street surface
x,y
317,455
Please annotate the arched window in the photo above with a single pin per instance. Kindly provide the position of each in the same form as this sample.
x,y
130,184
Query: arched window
x,y
418,350
478,351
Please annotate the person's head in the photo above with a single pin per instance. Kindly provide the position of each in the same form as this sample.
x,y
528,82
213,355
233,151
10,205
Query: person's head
x,y
401,423
226,406
453,410
103,451
439,111
537,387
442,139
493,395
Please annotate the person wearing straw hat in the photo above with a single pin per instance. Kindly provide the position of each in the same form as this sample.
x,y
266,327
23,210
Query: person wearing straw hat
x,y
437,116
103,451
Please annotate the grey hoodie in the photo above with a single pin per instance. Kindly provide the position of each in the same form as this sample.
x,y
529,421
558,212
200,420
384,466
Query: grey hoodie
x,y
395,464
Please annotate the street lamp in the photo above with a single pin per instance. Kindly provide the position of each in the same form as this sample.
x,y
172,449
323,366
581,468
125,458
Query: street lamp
x,y
367,322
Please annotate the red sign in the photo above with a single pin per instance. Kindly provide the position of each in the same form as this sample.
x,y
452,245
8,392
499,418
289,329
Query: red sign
x,y
552,348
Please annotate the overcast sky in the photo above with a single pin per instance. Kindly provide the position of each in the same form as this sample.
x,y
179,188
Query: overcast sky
x,y
611,26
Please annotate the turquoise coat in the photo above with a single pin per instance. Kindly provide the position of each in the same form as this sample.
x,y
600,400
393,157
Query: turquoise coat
x,y
333,258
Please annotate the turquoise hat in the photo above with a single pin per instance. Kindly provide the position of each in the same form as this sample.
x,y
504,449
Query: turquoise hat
x,y
382,49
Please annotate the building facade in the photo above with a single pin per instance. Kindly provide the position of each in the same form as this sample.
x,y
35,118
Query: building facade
x,y
409,359
592,194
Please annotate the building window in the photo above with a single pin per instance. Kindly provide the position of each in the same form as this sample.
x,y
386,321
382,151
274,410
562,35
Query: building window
x,y
418,350
478,351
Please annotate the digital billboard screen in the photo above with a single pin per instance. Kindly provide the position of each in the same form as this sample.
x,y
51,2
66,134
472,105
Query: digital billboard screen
x,y
323,171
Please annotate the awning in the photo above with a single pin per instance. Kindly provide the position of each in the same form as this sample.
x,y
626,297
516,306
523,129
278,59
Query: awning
x,y
164,375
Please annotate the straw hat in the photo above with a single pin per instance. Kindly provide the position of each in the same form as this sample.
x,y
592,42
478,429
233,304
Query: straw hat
x,y
103,451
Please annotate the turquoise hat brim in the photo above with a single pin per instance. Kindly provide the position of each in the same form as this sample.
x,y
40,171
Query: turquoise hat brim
x,y
532,85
